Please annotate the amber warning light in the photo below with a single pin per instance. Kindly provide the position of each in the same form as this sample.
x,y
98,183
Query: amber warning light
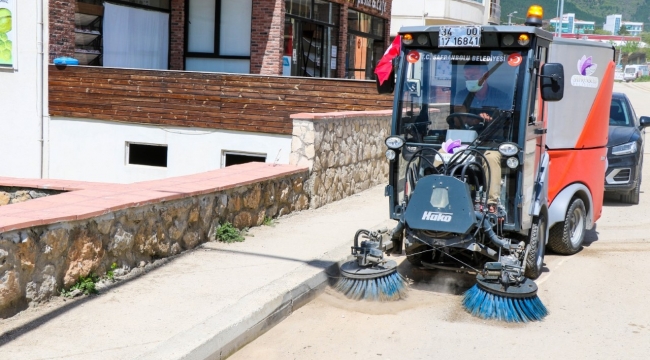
x,y
534,16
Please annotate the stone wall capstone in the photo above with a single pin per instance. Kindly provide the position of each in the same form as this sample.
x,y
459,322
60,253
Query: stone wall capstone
x,y
345,152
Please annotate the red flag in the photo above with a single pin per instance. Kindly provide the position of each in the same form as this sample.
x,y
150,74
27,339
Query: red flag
x,y
385,65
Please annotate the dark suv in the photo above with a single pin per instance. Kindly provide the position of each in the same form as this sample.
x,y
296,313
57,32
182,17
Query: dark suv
x,y
624,150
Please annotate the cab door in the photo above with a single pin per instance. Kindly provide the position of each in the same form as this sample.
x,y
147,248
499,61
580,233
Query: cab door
x,y
535,161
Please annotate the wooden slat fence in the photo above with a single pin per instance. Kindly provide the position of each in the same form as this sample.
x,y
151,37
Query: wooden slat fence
x,y
206,100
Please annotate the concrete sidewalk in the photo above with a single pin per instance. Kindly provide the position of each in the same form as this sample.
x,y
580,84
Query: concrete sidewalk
x,y
205,303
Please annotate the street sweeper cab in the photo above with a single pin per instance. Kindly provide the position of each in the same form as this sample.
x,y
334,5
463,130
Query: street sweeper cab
x,y
497,152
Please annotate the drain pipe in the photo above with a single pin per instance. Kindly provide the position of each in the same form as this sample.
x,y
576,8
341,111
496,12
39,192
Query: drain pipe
x,y
42,92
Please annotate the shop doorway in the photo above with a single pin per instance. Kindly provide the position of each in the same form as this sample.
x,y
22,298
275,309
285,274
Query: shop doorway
x,y
310,49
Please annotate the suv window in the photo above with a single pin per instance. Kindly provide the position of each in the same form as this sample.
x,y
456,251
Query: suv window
x,y
619,113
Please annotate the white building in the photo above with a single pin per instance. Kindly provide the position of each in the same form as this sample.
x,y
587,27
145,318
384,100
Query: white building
x,y
571,25
613,23
23,94
39,142
439,12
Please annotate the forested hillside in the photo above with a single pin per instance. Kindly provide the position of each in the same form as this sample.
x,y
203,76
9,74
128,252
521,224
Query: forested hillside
x,y
591,10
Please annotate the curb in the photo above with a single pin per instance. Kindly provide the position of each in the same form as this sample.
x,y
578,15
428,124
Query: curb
x,y
222,334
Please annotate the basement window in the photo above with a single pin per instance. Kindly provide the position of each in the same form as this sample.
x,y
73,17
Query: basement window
x,y
146,154
231,158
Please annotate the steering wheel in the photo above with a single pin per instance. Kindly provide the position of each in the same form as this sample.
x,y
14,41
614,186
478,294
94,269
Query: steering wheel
x,y
464,119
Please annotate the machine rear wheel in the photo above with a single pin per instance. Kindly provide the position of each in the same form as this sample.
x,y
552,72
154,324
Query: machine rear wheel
x,y
566,237
535,253
398,240
419,252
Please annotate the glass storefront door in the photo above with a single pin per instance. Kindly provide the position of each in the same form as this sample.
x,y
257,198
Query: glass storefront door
x,y
310,53
365,45
311,36
310,49
363,55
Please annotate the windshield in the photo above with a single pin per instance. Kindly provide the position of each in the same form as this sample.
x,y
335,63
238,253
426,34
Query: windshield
x,y
619,114
457,94
630,70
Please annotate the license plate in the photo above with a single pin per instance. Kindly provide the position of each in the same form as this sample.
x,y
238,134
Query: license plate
x,y
459,36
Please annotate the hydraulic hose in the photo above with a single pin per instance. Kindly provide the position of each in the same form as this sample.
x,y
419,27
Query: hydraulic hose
x,y
487,227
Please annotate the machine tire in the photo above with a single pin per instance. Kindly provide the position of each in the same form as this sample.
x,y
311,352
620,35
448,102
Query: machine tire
x,y
398,241
416,260
633,196
566,237
535,253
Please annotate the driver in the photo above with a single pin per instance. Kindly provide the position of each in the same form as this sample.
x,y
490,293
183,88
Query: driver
x,y
478,95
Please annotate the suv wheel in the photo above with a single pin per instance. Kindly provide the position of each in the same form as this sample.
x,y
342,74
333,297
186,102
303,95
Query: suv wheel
x,y
633,196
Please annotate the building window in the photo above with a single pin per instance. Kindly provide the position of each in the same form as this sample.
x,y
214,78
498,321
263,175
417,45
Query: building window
x,y
135,37
218,35
365,45
234,158
146,154
152,4
311,32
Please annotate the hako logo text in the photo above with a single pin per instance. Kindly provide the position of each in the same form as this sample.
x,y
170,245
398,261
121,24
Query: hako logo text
x,y
436,216
586,68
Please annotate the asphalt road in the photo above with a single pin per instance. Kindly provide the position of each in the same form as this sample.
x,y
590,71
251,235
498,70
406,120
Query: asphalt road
x,y
598,302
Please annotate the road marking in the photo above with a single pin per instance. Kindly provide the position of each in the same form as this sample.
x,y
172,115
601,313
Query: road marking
x,y
546,276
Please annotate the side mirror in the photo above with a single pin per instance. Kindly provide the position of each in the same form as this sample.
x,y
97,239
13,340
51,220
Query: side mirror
x,y
388,86
644,121
551,82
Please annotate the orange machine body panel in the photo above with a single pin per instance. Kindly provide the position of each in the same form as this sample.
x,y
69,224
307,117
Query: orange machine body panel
x,y
578,166
578,124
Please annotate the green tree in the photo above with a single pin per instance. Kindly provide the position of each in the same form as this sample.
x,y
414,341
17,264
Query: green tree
x,y
602,32
630,47
623,30
645,37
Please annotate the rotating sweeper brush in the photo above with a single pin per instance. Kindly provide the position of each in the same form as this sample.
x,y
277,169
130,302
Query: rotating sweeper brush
x,y
493,300
370,276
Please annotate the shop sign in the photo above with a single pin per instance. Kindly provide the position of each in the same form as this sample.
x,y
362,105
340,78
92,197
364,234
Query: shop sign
x,y
379,5
7,33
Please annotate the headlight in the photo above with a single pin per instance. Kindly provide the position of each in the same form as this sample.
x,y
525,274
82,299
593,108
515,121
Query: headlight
x,y
394,142
390,155
508,149
512,162
629,148
508,40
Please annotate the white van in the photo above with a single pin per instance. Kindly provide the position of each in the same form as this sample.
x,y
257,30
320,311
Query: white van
x,y
632,72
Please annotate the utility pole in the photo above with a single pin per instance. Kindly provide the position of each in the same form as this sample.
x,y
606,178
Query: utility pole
x,y
561,17
557,15
424,13
510,17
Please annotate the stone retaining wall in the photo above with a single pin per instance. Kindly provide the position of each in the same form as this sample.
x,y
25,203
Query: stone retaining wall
x,y
344,151
14,195
36,262
345,154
